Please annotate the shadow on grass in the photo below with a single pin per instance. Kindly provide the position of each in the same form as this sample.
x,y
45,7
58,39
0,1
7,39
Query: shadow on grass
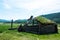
x,y
1,31
41,33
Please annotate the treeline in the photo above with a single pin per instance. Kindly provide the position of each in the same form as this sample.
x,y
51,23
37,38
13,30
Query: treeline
x,y
17,21
54,16
20,21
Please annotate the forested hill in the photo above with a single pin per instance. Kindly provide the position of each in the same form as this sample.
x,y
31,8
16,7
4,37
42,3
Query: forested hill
x,y
3,20
54,16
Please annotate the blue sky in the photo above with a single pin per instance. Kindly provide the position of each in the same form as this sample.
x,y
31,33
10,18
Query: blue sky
x,y
23,9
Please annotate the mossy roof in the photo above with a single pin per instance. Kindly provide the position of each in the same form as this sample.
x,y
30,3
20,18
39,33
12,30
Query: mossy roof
x,y
43,19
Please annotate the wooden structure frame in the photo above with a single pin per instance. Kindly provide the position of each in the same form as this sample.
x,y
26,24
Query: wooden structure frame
x,y
39,28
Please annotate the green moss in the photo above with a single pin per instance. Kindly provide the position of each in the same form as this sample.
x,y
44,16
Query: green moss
x,y
43,19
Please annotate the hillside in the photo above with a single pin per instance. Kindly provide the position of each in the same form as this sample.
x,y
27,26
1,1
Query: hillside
x,y
54,16
20,21
3,20
16,21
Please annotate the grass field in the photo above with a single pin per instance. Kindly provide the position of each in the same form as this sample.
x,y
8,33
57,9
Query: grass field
x,y
6,34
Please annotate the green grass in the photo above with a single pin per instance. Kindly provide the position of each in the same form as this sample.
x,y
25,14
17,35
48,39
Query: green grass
x,y
6,34
43,19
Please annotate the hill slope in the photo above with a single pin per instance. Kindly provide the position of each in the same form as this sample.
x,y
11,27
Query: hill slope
x,y
3,20
55,17
20,21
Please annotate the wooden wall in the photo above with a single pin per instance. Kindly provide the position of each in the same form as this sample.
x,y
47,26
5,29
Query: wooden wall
x,y
41,29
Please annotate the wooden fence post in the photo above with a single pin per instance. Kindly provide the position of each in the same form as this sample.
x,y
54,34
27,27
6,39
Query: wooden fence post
x,y
11,23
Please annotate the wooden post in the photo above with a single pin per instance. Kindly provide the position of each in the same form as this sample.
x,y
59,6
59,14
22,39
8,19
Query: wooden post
x,y
11,23
33,22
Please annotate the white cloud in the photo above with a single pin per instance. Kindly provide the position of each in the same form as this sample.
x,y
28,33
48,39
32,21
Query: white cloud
x,y
25,4
6,6
32,4
31,7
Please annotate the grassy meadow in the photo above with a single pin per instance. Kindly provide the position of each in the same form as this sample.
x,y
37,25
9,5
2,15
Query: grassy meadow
x,y
6,34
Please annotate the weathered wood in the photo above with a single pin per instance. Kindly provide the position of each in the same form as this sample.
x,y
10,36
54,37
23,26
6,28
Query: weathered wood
x,y
12,26
39,28
11,23
45,29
